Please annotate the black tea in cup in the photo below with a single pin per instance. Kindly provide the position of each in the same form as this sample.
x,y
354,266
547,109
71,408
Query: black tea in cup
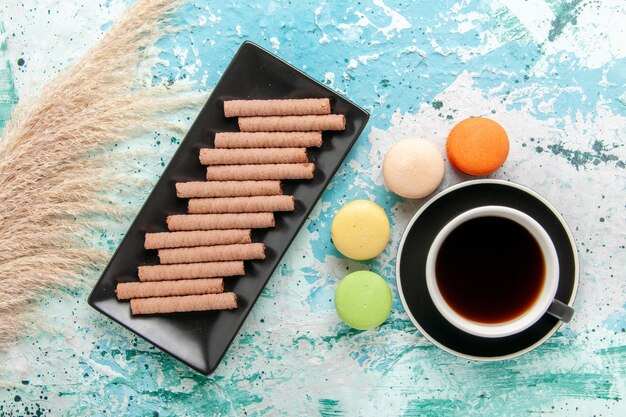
x,y
490,270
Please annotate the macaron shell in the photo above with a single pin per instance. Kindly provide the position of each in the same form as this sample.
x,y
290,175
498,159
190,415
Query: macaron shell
x,y
363,300
360,230
413,168
477,146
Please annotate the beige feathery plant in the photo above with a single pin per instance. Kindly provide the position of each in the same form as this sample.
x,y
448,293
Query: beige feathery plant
x,y
53,168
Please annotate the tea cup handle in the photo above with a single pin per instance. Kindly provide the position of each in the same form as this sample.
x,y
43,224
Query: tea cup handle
x,y
561,311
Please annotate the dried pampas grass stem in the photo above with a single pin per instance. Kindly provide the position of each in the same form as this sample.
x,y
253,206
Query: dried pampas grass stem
x,y
46,179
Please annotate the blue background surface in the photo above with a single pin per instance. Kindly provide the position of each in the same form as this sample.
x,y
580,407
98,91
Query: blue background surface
x,y
552,72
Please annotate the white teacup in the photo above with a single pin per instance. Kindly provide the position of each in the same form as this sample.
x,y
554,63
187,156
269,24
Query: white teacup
x,y
545,301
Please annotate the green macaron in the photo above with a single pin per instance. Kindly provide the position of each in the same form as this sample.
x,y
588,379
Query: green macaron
x,y
363,300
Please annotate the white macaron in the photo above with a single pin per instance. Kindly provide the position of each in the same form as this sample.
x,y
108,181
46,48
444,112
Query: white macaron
x,y
413,168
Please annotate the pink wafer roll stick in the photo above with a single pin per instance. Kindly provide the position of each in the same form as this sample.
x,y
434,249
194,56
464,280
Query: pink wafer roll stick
x,y
197,238
233,108
128,290
260,172
223,301
220,221
268,140
199,189
256,204
149,273
212,253
252,156
292,123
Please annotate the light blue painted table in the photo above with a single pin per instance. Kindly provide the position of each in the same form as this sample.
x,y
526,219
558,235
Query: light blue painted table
x,y
552,72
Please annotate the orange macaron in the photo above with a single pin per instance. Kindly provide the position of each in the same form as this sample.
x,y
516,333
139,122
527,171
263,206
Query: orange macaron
x,y
477,146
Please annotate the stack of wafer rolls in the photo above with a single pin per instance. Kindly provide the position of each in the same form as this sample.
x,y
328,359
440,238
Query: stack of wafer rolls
x,y
242,191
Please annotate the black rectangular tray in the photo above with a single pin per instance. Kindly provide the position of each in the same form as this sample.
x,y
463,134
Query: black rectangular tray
x,y
201,339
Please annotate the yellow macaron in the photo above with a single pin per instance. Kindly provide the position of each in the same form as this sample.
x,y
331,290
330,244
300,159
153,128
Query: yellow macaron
x,y
360,230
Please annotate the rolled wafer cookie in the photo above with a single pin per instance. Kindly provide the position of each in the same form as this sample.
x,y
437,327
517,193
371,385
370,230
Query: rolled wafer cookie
x,y
178,222
260,172
128,290
212,253
210,156
257,204
148,273
203,189
292,123
268,140
223,301
197,237
233,108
